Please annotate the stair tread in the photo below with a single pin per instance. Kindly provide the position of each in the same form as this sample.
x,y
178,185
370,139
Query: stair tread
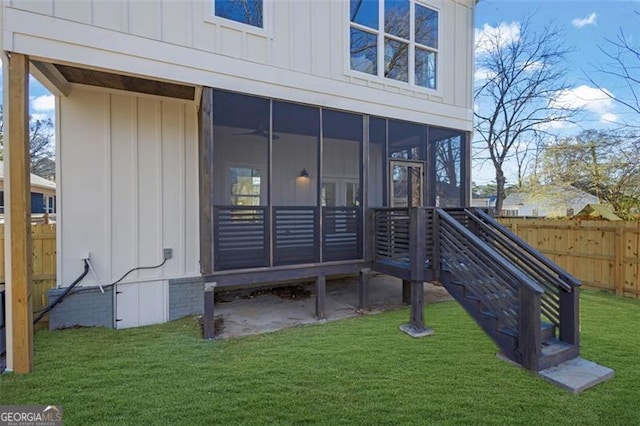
x,y
514,333
554,347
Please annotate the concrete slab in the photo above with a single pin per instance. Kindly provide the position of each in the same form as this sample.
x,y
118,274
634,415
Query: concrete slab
x,y
243,314
416,332
577,375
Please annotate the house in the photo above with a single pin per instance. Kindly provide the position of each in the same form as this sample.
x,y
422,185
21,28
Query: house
x,y
549,201
43,193
208,144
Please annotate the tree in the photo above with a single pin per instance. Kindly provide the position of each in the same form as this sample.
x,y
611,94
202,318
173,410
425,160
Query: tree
x,y
603,163
519,95
623,52
41,147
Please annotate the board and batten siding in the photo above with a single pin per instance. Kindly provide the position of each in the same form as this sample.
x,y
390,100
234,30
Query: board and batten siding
x,y
128,188
301,55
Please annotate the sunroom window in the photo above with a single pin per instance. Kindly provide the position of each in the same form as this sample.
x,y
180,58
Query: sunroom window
x,y
395,39
248,12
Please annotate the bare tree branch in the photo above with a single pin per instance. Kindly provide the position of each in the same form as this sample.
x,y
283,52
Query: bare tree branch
x,y
525,76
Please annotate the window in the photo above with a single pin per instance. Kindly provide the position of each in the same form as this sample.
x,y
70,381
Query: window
x,y
395,39
248,12
245,186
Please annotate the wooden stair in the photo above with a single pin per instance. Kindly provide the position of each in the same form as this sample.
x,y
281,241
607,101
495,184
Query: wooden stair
x,y
553,351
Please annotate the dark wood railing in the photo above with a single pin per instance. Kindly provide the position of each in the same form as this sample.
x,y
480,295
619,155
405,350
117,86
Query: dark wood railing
x,y
258,236
241,237
511,282
296,236
559,303
341,233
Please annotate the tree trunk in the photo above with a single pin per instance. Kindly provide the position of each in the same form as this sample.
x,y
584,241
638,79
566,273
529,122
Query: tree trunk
x,y
500,194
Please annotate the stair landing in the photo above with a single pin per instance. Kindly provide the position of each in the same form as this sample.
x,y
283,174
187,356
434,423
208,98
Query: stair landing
x,y
576,375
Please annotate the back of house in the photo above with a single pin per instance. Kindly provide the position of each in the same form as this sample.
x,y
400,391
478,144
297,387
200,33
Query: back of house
x,y
249,137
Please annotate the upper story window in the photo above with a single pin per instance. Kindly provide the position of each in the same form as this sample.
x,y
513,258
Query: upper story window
x,y
396,39
248,12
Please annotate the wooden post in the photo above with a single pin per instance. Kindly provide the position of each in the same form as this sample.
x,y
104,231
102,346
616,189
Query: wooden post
x,y
321,294
417,305
570,317
209,331
18,215
529,334
205,180
417,243
435,261
406,292
363,290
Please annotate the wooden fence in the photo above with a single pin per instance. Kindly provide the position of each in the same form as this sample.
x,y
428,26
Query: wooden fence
x,y
43,246
602,254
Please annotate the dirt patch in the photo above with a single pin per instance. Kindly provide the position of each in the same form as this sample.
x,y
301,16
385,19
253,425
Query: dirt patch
x,y
218,325
295,292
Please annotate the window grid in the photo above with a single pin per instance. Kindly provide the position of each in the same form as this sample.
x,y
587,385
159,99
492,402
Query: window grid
x,y
414,46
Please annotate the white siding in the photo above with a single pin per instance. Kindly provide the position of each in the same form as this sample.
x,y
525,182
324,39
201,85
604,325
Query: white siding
x,y
128,186
300,55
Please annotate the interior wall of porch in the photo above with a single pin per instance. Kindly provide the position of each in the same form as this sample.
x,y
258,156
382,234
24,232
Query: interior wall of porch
x,y
128,186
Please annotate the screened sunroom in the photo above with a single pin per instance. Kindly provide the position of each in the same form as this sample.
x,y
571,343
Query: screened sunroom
x,y
286,184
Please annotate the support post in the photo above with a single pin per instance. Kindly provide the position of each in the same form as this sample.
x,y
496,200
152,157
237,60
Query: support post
x,y
417,305
435,261
18,216
363,290
406,292
529,335
416,327
321,294
570,317
209,331
205,180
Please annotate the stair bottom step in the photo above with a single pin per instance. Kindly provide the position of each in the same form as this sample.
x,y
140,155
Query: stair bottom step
x,y
577,374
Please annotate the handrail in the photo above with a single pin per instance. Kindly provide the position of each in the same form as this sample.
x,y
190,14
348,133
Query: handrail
x,y
523,246
498,259
510,244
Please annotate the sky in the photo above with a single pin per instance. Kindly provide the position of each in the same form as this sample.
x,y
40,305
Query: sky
x,y
586,26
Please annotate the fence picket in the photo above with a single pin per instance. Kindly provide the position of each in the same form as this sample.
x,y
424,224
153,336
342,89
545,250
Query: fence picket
x,y
602,254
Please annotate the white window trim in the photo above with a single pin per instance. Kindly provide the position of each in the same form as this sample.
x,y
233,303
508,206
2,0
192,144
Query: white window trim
x,y
380,78
267,19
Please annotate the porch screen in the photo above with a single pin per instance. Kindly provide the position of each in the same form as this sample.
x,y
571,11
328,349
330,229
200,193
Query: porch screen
x,y
241,180
296,216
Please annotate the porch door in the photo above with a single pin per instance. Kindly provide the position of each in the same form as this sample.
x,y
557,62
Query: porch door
x,y
406,181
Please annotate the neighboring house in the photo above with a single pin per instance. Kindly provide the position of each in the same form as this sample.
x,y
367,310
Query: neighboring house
x,y
43,193
549,201
484,202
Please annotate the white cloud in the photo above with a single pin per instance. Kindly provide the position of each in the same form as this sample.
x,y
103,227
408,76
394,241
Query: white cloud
x,y
43,103
589,99
39,116
586,97
609,117
581,22
490,37
553,125
534,66
483,74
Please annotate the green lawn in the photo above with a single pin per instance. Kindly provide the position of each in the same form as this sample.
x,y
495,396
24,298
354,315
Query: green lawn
x,y
356,371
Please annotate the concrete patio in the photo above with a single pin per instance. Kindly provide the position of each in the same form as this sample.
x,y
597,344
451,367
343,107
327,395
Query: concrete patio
x,y
244,313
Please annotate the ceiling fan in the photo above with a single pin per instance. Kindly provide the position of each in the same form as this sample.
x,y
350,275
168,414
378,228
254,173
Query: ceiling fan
x,y
260,131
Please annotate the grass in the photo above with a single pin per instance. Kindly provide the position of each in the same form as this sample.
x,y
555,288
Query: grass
x,y
355,371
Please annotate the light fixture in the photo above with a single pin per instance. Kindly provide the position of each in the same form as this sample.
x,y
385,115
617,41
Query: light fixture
x,y
304,173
